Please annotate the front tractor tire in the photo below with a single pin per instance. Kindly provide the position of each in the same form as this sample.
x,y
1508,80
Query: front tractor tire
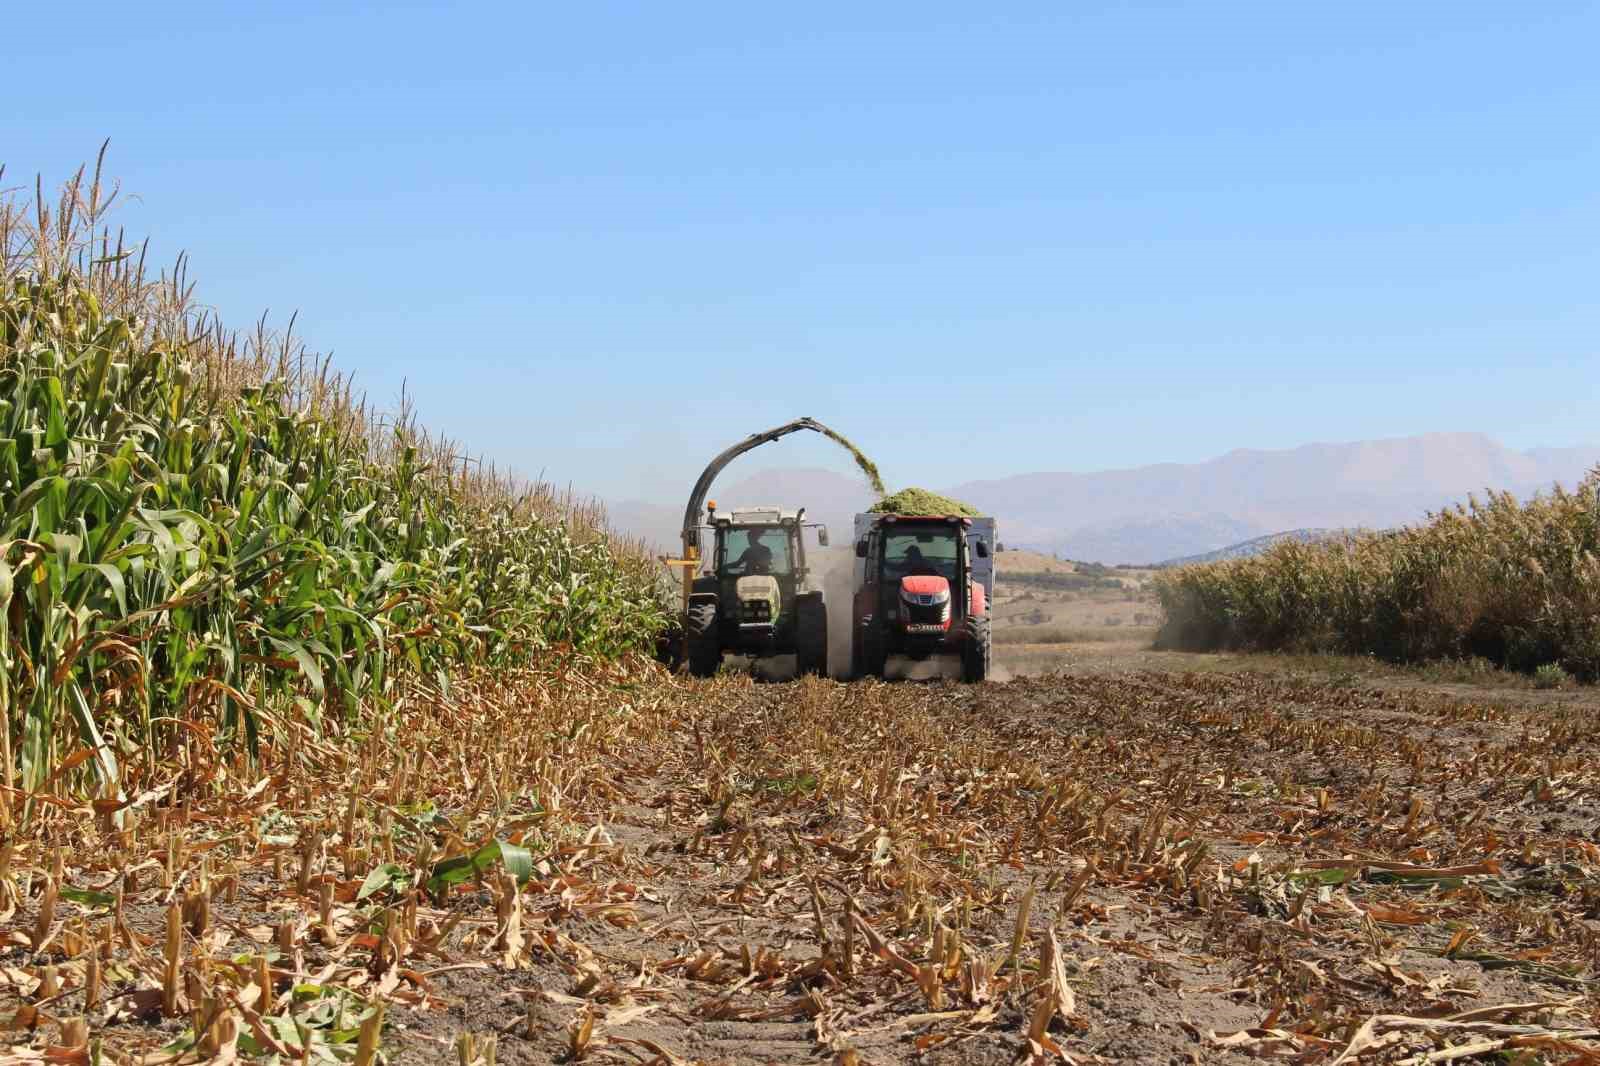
x,y
811,637
977,650
705,642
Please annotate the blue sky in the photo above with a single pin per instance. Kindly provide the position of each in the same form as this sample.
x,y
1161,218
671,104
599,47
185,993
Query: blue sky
x,y
600,241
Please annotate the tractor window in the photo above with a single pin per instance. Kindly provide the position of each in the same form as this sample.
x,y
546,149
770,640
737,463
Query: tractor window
x,y
922,551
756,550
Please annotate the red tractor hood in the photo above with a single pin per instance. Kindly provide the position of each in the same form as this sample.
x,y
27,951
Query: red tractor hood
x,y
924,585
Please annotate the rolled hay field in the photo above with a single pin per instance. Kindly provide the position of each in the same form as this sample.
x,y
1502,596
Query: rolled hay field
x,y
1514,583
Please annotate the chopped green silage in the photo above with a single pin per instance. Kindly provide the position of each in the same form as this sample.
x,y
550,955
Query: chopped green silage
x,y
922,502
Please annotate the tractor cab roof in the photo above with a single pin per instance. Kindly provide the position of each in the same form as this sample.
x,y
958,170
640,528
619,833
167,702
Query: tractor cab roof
x,y
759,516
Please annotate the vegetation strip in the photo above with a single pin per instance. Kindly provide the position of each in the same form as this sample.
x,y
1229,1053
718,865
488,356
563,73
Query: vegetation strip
x,y
203,534
1513,584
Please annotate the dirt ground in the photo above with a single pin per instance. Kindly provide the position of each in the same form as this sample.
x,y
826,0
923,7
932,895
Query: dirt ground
x,y
1129,859
1036,601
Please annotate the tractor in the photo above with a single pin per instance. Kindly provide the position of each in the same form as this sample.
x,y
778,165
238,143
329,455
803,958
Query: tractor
x,y
753,594
758,598
922,589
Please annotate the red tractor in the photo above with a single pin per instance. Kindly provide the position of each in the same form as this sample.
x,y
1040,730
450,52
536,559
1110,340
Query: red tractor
x,y
922,589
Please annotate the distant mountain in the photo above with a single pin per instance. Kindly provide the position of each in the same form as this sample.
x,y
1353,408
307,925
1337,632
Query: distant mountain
x,y
1174,510
828,497
1149,513
657,524
1255,546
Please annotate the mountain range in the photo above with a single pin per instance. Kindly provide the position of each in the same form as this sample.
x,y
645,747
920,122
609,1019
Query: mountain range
x,y
1170,510
1256,546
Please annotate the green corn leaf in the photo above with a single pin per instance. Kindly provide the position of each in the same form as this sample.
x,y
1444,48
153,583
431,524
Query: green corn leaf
x,y
308,663
113,579
389,877
88,897
517,860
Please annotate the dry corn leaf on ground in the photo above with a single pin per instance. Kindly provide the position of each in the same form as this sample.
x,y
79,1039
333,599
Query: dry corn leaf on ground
x,y
625,867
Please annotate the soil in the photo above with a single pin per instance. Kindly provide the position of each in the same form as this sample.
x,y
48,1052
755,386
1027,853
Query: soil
x,y
1236,864
1157,977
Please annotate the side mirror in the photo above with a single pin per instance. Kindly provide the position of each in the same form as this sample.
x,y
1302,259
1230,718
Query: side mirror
x,y
822,536
861,549
982,548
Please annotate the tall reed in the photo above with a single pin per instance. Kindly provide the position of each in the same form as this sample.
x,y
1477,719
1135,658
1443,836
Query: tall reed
x,y
1517,583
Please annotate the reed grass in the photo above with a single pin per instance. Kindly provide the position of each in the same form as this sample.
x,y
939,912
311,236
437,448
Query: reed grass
x,y
1515,583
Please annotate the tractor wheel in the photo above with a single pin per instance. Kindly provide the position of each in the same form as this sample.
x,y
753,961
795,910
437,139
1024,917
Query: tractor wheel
x,y
976,650
811,637
669,647
874,655
705,642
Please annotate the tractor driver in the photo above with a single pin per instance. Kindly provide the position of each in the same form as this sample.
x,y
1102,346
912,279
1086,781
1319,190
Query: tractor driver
x,y
917,566
755,559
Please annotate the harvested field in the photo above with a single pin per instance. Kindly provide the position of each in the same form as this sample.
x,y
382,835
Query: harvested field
x,y
1152,867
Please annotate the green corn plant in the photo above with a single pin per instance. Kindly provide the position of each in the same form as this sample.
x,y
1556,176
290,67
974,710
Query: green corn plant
x,y
194,527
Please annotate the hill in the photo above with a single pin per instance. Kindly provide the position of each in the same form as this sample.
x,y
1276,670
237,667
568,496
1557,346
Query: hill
x,y
1254,546
1173,510
828,497
1176,510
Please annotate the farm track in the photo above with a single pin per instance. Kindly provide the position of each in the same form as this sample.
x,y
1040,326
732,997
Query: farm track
x,y
1208,867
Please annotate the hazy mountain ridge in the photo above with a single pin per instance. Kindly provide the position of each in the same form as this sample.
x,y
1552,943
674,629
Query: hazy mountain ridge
x,y
1255,546
1174,510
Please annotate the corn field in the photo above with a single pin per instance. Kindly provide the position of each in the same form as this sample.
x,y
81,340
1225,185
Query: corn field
x,y
206,532
331,750
1514,583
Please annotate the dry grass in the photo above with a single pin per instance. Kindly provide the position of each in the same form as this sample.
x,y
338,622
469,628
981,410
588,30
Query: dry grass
x,y
1070,634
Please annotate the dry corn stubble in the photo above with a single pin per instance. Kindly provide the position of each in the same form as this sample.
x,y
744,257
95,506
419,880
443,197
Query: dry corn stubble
x,y
839,858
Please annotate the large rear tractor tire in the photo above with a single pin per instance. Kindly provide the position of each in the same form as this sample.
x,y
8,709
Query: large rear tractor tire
x,y
705,642
977,650
811,637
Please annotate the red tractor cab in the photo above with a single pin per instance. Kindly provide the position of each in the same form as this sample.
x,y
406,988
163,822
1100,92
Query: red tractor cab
x,y
922,589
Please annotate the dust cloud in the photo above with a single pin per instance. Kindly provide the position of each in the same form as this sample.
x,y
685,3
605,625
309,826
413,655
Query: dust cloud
x,y
835,574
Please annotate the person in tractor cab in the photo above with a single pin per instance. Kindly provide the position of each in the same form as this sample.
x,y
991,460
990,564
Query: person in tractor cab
x,y
917,566
755,559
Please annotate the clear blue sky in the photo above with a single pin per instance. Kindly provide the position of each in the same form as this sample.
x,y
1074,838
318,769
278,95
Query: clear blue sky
x,y
600,240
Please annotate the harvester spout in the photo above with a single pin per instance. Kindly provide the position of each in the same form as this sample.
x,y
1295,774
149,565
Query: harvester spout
x,y
697,498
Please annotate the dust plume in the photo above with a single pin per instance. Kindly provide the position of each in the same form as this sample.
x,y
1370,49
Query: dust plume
x,y
835,573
